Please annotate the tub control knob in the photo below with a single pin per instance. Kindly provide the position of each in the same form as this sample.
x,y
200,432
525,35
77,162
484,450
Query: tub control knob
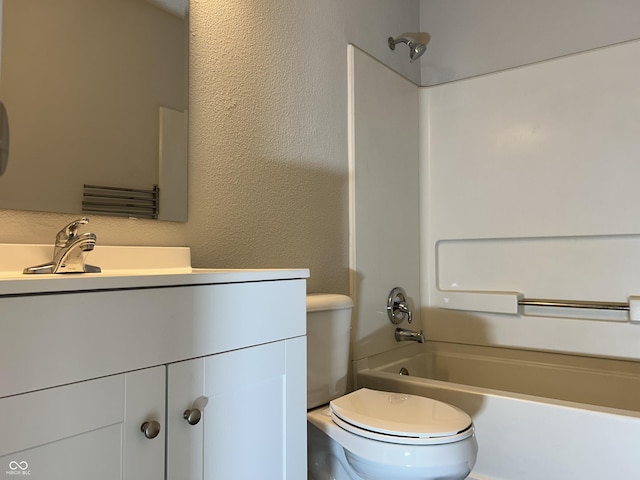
x,y
398,306
150,429
192,416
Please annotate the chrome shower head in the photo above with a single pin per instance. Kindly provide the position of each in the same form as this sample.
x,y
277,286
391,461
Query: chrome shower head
x,y
416,50
417,43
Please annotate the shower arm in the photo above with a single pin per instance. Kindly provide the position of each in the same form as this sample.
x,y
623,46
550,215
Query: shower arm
x,y
394,41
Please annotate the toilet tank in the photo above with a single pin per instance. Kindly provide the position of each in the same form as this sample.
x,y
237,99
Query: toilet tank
x,y
328,340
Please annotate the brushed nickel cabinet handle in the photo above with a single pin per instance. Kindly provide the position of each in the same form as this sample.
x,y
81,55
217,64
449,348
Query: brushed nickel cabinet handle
x,y
192,416
150,429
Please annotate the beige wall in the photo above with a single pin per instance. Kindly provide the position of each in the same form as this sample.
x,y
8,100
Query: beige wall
x,y
268,137
471,38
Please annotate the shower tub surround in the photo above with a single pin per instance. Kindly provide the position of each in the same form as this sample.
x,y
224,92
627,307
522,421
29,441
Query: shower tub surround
x,y
512,223
522,436
544,210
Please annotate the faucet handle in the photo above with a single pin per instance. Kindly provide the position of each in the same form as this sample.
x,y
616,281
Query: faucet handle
x,y
70,231
398,306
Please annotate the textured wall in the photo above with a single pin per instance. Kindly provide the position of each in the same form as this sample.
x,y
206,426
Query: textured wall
x,y
268,137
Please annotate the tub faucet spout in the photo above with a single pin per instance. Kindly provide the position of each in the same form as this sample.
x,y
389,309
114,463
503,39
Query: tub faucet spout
x,y
406,335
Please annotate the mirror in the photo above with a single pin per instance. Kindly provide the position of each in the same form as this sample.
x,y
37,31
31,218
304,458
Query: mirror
x,y
96,95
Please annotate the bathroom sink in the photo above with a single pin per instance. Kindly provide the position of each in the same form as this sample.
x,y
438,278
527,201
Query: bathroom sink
x,y
113,260
122,267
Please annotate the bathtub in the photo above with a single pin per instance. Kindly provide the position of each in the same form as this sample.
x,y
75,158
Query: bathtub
x,y
522,436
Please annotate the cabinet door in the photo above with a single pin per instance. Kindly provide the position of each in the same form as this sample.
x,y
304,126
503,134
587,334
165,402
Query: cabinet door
x,y
81,430
254,424
145,401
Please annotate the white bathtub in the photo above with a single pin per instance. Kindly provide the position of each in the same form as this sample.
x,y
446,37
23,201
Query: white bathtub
x,y
522,436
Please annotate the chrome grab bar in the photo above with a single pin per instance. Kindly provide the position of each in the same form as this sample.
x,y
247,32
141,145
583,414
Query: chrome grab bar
x,y
593,305
513,303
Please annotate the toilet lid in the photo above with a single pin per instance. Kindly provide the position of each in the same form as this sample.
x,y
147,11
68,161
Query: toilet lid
x,y
381,415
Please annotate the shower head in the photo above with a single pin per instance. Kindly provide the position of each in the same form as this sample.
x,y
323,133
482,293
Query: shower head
x,y
417,43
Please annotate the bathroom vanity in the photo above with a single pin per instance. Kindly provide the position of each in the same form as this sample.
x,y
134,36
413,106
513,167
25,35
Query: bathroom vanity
x,y
177,374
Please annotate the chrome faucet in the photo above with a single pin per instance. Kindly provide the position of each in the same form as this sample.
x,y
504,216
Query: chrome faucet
x,y
70,251
406,335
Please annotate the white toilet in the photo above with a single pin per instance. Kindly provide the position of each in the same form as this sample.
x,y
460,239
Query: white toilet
x,y
369,434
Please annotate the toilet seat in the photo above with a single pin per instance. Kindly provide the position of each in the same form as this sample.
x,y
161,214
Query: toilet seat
x,y
400,418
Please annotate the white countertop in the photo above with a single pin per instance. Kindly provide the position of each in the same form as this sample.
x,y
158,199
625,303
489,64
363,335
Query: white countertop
x,y
122,268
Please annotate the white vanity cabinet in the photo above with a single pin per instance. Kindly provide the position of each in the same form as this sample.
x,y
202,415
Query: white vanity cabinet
x,y
82,370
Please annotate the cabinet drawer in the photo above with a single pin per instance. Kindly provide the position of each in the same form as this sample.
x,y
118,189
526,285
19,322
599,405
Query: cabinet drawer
x,y
51,340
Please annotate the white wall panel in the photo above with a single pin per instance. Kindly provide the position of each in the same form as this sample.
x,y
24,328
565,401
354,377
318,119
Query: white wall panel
x,y
548,149
385,248
529,180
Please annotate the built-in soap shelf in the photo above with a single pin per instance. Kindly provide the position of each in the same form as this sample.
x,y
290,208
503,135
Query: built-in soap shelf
x,y
516,303
503,275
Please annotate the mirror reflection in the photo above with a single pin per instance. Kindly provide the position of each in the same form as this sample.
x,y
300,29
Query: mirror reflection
x,y
96,95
